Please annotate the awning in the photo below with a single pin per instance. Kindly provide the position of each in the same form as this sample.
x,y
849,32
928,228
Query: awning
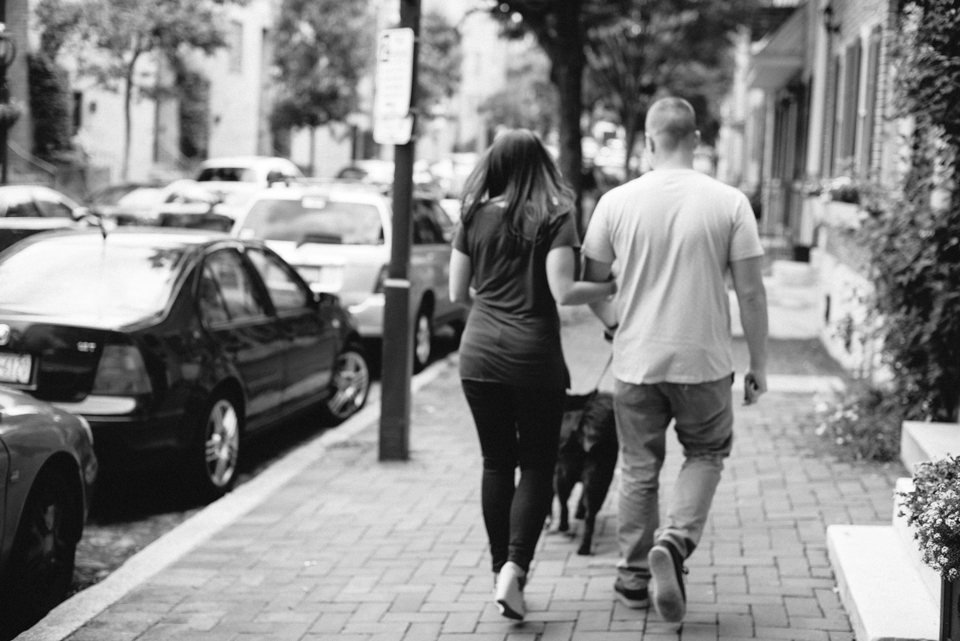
x,y
782,56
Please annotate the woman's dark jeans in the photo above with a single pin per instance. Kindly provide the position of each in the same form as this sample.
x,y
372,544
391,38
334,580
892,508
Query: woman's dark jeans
x,y
516,426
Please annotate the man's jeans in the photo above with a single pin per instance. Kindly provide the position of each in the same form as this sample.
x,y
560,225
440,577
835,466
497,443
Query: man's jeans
x,y
704,424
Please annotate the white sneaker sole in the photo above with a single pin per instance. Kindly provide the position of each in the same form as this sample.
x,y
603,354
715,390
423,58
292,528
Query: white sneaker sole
x,y
665,588
508,595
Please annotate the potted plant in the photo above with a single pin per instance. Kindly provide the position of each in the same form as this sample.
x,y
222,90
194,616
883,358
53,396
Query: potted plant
x,y
932,508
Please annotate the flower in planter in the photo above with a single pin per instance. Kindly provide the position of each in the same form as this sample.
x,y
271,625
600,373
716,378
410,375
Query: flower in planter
x,y
932,508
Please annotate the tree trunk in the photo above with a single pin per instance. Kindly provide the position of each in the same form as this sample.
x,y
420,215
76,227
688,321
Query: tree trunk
x,y
569,60
127,100
313,150
630,132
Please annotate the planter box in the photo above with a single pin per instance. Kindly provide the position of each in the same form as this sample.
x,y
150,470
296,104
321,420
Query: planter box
x,y
949,609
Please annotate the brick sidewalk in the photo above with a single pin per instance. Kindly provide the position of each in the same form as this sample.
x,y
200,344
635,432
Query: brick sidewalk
x,y
352,549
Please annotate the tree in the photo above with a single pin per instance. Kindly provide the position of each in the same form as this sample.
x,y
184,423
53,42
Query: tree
x,y
322,48
560,28
438,71
677,47
125,32
529,101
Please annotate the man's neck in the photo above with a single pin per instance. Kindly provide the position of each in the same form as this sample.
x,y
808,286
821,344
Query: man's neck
x,y
674,162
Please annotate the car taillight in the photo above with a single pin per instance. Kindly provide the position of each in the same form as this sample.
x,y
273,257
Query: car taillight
x,y
121,372
381,279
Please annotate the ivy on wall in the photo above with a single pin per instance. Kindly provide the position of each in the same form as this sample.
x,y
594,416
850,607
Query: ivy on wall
x,y
914,235
51,108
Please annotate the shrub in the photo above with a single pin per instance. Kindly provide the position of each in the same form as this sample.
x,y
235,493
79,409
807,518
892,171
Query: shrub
x,y
51,107
862,422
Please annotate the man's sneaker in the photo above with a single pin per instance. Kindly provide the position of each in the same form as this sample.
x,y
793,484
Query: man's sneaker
x,y
666,569
633,599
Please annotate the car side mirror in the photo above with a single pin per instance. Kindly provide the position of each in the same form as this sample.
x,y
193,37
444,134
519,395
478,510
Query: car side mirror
x,y
325,298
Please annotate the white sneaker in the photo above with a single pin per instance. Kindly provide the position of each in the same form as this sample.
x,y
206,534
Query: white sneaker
x,y
509,593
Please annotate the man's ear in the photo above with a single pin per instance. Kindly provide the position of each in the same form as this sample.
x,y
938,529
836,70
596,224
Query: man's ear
x,y
651,143
696,138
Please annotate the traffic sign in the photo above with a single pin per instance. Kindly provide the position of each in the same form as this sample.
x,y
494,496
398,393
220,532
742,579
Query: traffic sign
x,y
394,80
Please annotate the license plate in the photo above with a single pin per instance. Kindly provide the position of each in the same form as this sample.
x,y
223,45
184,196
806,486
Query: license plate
x,y
16,368
328,277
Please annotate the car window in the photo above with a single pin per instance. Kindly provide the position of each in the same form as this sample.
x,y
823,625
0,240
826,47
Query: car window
x,y
227,174
86,280
50,208
213,309
19,204
286,291
425,229
235,284
314,220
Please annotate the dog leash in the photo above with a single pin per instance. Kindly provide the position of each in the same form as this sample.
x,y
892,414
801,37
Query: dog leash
x,y
603,372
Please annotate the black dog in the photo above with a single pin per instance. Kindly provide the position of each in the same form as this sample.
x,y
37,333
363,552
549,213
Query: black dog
x,y
588,455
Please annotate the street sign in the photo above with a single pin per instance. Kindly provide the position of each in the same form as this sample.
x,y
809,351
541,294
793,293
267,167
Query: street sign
x,y
394,80
393,131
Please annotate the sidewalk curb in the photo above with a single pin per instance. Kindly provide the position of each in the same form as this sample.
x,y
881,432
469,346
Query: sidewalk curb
x,y
84,606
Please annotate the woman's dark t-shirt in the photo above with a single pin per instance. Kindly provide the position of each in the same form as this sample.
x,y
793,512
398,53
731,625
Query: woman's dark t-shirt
x,y
513,330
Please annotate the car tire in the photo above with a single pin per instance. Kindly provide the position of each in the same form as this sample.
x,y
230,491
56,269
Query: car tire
x,y
216,452
45,547
350,385
422,339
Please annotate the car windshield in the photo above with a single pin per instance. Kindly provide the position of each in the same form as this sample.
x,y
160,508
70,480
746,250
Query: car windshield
x,y
83,279
227,174
314,220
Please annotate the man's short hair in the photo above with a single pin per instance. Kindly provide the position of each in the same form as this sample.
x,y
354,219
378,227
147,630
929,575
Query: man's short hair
x,y
669,121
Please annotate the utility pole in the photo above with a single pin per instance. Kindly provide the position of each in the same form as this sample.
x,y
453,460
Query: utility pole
x,y
397,336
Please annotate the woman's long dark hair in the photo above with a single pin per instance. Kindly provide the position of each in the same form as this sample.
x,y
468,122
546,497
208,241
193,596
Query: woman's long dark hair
x,y
518,168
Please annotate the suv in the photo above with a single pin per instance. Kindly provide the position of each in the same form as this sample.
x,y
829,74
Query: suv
x,y
338,238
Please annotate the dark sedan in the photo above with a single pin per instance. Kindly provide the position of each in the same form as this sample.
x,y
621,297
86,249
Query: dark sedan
x,y
183,341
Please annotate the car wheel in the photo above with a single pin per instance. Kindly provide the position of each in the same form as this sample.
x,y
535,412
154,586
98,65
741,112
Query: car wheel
x,y
217,451
422,340
350,385
42,559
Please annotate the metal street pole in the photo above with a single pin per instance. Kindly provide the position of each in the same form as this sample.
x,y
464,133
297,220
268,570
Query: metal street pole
x,y
4,99
397,336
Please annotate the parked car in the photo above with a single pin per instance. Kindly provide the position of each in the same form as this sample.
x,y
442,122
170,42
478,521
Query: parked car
x,y
181,203
338,237
374,171
235,179
47,470
175,341
29,209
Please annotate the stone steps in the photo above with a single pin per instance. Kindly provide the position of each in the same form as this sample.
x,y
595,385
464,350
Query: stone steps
x,y
886,588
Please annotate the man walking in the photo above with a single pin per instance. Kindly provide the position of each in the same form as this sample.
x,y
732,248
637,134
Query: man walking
x,y
674,234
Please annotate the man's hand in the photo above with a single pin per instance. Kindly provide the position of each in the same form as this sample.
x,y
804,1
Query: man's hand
x,y
754,386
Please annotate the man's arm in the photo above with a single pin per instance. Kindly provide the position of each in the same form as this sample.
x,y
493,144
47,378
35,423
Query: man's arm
x,y
752,298
595,271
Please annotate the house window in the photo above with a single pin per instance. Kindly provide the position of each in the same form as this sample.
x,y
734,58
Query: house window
x,y
235,46
832,124
869,111
851,96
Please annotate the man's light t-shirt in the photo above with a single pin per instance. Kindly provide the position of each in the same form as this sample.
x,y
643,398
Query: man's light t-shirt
x,y
673,234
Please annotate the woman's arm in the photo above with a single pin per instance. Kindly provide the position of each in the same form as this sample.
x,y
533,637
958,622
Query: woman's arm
x,y
461,273
561,270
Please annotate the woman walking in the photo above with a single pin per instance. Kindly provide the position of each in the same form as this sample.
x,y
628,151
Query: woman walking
x,y
513,260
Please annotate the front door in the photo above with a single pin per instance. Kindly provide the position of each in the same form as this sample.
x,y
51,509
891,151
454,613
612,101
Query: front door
x,y
235,312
